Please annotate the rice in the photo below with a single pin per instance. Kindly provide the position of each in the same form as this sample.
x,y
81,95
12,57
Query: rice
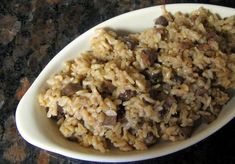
x,y
132,91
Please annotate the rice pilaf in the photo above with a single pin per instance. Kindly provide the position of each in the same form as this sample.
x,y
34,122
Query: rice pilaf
x,y
131,91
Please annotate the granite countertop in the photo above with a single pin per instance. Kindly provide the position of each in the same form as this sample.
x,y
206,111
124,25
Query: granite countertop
x,y
32,32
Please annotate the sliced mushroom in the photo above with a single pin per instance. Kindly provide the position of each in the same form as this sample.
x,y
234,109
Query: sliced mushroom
x,y
107,88
186,132
60,113
161,21
156,78
132,131
162,112
72,138
157,94
109,120
150,139
127,95
71,89
131,43
159,110
208,118
148,57
145,73
121,114
109,144
169,101
177,78
217,108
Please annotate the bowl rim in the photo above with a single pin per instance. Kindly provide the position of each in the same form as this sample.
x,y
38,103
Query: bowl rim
x,y
104,158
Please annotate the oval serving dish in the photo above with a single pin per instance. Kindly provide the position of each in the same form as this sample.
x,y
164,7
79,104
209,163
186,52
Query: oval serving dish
x,y
40,131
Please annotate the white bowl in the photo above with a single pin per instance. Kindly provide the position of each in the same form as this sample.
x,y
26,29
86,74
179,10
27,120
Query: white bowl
x,y
40,131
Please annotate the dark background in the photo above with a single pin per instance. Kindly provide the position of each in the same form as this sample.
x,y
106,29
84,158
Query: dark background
x,y
32,32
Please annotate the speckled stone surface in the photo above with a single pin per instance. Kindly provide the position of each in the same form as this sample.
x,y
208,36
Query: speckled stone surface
x,y
32,32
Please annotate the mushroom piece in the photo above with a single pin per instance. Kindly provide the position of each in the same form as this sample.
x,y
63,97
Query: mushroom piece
x,y
60,113
186,132
148,57
169,101
107,88
127,95
150,139
161,21
109,120
121,114
156,78
157,94
70,89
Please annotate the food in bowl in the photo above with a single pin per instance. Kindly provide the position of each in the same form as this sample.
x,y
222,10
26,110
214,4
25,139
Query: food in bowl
x,y
132,91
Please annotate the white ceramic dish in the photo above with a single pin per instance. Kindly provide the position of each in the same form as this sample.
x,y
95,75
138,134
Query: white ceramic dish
x,y
40,131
